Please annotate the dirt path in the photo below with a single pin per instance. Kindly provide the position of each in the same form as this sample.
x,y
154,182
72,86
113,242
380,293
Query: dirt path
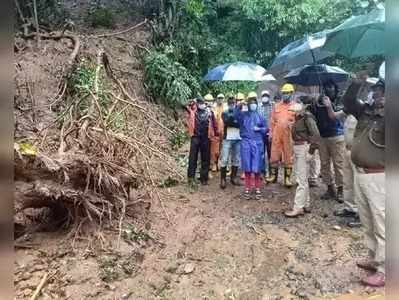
x,y
218,246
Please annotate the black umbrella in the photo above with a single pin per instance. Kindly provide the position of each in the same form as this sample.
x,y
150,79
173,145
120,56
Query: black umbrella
x,y
310,75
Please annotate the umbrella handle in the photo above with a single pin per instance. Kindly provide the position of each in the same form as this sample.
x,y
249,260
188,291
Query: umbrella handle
x,y
321,88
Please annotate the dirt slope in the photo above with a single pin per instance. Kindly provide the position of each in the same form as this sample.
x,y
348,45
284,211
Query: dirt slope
x,y
218,246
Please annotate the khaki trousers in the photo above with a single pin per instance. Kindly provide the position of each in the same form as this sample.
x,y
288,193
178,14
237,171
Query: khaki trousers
x,y
314,166
302,197
349,194
332,150
370,200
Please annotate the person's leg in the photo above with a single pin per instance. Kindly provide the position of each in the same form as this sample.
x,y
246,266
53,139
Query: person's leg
x,y
193,157
325,168
301,200
361,180
205,158
214,153
235,162
374,191
313,170
275,157
227,151
350,208
337,152
288,154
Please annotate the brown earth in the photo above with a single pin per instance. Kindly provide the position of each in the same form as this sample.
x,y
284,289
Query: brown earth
x,y
216,246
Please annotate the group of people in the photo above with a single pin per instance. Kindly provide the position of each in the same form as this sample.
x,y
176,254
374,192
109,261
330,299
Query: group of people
x,y
255,138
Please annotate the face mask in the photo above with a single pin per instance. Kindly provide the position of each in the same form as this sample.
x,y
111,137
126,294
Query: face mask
x,y
286,98
265,99
201,106
253,106
245,108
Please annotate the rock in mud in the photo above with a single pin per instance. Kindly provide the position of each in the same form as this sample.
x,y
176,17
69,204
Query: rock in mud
x,y
189,268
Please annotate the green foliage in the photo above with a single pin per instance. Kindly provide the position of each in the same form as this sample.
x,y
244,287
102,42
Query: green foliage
x,y
168,80
229,87
101,17
169,182
50,13
179,139
81,84
200,34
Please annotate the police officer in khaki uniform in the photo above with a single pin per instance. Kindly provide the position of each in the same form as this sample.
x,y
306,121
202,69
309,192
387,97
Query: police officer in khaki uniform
x,y
368,157
306,136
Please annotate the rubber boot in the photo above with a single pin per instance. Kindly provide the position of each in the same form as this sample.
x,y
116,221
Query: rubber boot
x,y
273,175
233,176
340,194
223,172
287,177
330,193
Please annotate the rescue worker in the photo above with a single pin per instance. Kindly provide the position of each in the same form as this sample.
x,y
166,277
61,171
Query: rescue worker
x,y
252,133
281,122
332,146
304,134
240,100
216,141
368,157
265,109
230,145
202,127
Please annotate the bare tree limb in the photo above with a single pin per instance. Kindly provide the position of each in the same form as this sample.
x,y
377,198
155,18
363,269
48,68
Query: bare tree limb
x,y
121,32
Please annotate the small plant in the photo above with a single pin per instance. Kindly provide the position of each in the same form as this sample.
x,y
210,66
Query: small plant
x,y
178,139
81,83
101,17
169,182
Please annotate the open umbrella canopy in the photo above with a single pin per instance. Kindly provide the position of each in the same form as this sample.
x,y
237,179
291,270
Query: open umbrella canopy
x,y
359,36
307,50
310,75
238,71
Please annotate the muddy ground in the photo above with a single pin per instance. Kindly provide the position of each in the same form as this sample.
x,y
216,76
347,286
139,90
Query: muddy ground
x,y
215,245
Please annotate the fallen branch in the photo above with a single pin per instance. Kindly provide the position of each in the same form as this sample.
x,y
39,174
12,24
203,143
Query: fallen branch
x,y
39,287
75,39
121,32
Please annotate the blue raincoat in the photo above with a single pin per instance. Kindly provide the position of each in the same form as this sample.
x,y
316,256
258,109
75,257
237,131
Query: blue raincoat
x,y
252,141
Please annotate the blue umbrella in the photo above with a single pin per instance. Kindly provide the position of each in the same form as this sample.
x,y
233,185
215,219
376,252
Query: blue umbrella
x,y
238,71
310,75
307,50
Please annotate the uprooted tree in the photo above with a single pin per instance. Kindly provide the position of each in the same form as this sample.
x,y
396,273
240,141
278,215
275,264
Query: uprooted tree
x,y
89,150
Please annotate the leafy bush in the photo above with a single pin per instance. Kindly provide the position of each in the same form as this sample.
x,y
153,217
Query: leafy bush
x,y
101,17
178,139
81,82
50,13
168,80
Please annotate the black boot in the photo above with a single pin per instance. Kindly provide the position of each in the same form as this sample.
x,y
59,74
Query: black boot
x,y
223,172
330,193
340,194
233,176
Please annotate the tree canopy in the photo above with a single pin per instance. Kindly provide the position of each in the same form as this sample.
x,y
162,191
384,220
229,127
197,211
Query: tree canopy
x,y
200,34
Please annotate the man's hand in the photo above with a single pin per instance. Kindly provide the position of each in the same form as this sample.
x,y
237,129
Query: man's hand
x,y
256,128
327,102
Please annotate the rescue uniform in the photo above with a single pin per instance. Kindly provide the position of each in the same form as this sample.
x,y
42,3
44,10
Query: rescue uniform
x,y
304,133
280,127
368,157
